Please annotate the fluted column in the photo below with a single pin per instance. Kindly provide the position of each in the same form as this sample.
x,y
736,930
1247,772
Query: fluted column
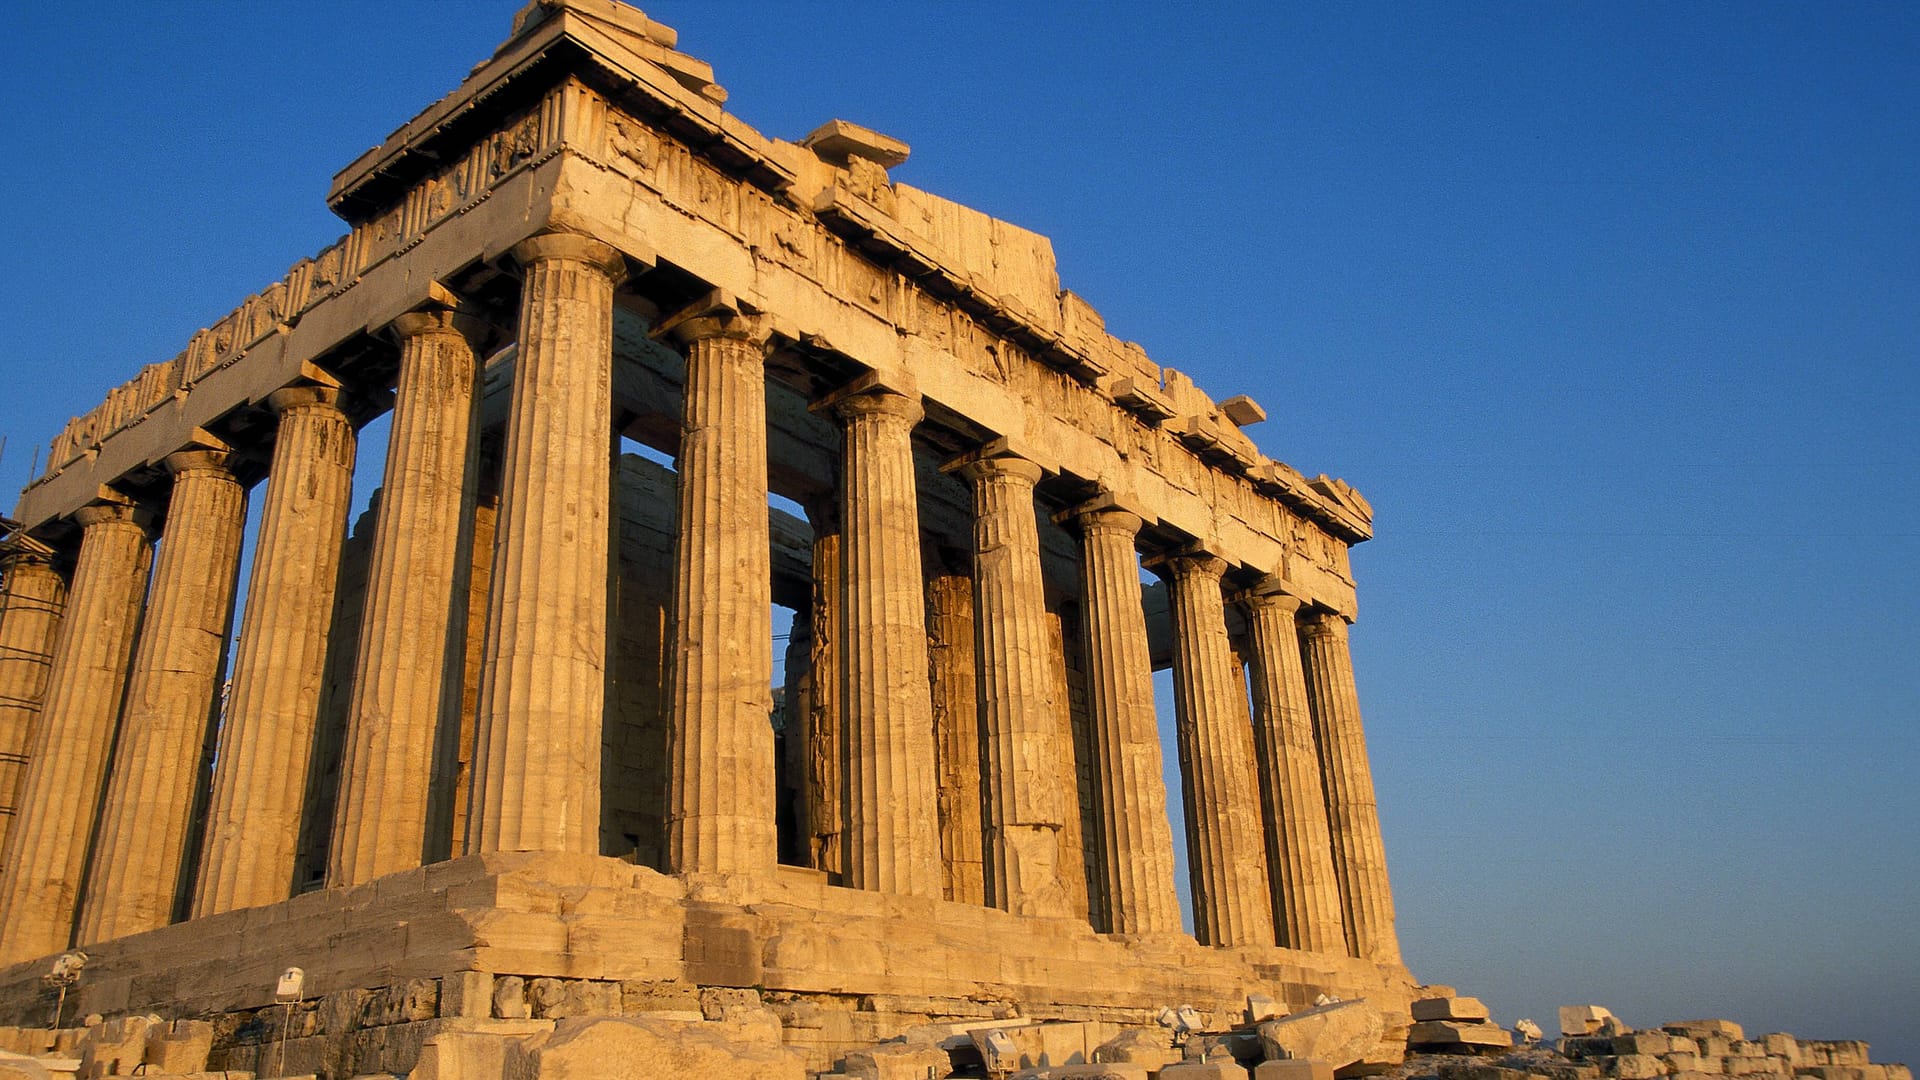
x,y
537,747
139,866
1306,892
411,668
32,597
825,795
953,678
1024,760
1226,854
892,843
720,817
1359,856
1136,835
260,772
47,847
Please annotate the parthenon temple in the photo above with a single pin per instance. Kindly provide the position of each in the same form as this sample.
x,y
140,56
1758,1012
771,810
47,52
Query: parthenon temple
x,y
656,386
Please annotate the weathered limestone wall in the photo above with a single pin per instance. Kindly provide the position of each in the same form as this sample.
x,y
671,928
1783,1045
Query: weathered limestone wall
x,y
846,966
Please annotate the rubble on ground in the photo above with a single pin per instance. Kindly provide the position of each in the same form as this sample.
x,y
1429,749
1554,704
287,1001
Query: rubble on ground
x,y
733,1036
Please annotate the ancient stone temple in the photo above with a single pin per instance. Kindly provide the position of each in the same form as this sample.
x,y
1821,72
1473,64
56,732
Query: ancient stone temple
x,y
509,747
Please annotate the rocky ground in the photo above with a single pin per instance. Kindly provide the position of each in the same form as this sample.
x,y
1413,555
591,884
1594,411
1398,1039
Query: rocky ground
x,y
1447,1037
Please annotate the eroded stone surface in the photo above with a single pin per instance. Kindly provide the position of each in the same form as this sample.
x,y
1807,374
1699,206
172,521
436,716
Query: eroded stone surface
x,y
532,676
1338,1034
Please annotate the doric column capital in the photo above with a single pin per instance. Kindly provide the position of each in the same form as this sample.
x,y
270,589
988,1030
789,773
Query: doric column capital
x,y
22,550
114,512
1269,594
1321,623
572,247
998,457
880,403
755,330
720,315
1276,602
1187,563
292,398
435,321
198,460
977,467
1104,519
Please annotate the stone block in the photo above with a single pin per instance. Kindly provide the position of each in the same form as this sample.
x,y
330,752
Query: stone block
x,y
1694,1029
1097,1071
1576,1020
1643,1042
115,1048
1835,1052
467,994
582,1049
1712,1045
453,1055
1458,1070
1338,1034
1071,1043
1151,1047
179,1047
510,998
1638,1067
21,1067
1293,1069
1204,1070
897,1061
1242,1046
1781,1044
1582,1047
1457,1036
639,996
1843,1072
1262,1007
1450,1008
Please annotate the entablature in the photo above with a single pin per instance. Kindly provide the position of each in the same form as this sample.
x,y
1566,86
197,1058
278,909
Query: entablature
x,y
590,125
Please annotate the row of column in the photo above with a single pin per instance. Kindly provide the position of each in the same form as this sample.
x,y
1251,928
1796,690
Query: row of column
x,y
98,856
537,743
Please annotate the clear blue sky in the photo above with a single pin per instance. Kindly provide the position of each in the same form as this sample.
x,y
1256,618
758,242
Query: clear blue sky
x,y
1612,310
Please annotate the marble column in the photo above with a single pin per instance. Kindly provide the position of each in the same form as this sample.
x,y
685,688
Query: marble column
x,y
1359,857
892,841
1136,835
47,847
1306,892
1024,760
410,664
32,597
536,765
720,814
140,866
260,771
954,681
1225,848
825,795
